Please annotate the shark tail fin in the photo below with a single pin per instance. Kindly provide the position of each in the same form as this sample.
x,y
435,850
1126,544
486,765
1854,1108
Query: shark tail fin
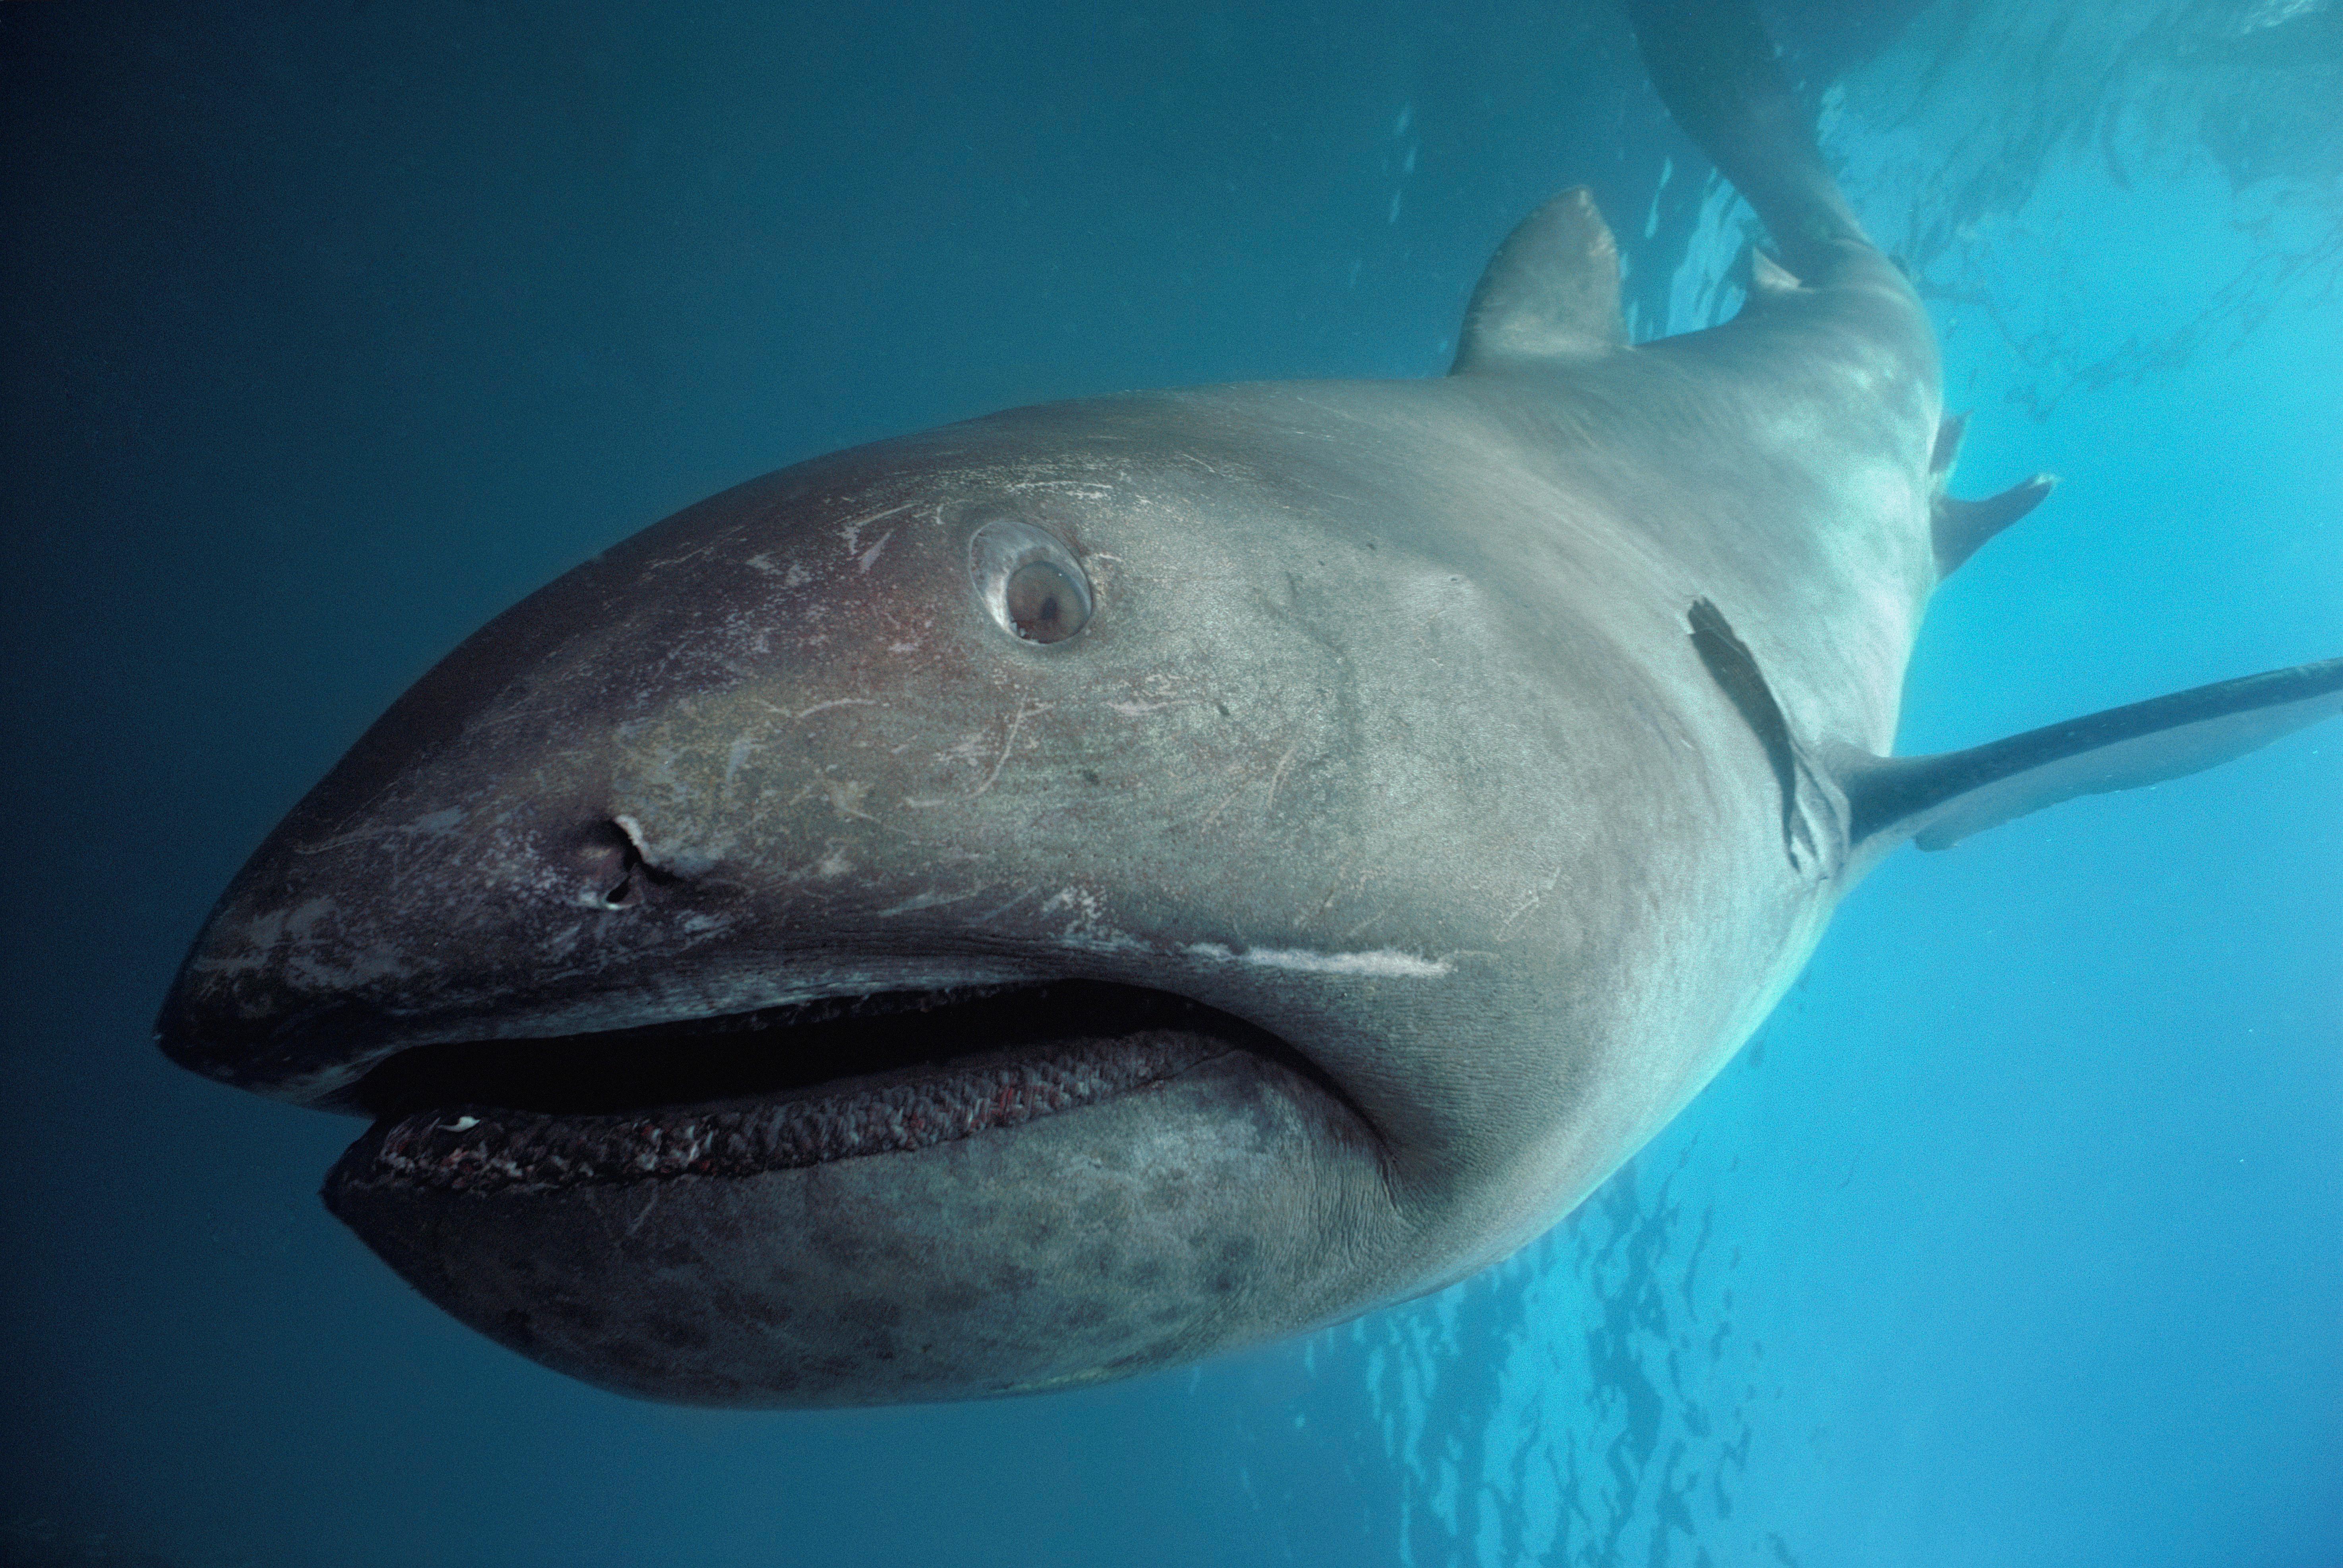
x,y
1939,800
1713,67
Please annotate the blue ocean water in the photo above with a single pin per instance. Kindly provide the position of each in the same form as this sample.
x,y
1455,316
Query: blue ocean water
x,y
2017,1237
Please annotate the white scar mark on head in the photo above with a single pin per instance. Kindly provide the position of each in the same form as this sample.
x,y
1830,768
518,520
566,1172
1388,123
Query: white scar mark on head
x,y
1016,722
851,529
649,1203
835,702
1383,963
1195,461
693,554
430,826
1024,893
845,795
1278,778
919,901
1275,778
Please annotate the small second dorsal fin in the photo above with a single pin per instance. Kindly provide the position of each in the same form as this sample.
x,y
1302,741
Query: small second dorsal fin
x,y
1958,527
1550,292
1941,799
1764,282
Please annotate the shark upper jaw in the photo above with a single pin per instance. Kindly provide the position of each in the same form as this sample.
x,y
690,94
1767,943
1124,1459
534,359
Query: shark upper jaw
x,y
836,1073
335,1051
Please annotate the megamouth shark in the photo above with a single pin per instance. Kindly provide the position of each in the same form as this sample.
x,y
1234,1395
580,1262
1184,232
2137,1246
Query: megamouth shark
x,y
1059,895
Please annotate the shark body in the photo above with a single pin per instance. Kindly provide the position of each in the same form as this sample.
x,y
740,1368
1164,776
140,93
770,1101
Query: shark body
x,y
1058,896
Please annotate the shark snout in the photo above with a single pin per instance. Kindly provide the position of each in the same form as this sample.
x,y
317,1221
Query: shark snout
x,y
335,950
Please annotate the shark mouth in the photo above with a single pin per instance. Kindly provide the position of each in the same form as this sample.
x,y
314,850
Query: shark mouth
x,y
774,1090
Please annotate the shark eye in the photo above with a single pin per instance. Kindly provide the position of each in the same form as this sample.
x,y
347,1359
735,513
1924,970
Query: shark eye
x,y
1032,585
1044,604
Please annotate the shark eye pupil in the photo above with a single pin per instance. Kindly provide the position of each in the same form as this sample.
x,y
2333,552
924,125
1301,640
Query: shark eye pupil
x,y
1044,604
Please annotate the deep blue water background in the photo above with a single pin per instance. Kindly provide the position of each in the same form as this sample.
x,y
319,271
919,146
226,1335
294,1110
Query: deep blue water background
x,y
2016,1237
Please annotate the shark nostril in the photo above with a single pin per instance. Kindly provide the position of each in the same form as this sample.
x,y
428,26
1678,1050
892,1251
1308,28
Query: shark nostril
x,y
617,865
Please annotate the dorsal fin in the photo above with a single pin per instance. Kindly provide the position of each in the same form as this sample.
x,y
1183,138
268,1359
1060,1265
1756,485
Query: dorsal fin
x,y
1768,278
1941,799
1550,292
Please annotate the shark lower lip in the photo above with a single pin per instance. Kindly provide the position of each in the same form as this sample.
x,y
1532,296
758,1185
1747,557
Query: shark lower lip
x,y
709,1100
483,1149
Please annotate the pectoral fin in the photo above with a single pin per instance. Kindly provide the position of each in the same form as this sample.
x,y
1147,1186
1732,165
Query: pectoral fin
x,y
1734,669
1939,800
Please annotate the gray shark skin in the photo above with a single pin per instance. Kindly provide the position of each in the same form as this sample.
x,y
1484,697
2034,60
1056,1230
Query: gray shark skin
x,y
1056,897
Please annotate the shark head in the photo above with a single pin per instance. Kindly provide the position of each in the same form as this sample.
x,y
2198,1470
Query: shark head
x,y
996,909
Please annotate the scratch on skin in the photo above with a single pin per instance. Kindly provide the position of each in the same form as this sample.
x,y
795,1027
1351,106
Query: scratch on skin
x,y
735,759
852,530
1356,882
435,823
864,560
1382,962
649,1203
796,574
846,796
919,901
1026,892
689,555
836,701
1016,723
1083,489
1531,901
1275,778
1278,778
513,714
1325,408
